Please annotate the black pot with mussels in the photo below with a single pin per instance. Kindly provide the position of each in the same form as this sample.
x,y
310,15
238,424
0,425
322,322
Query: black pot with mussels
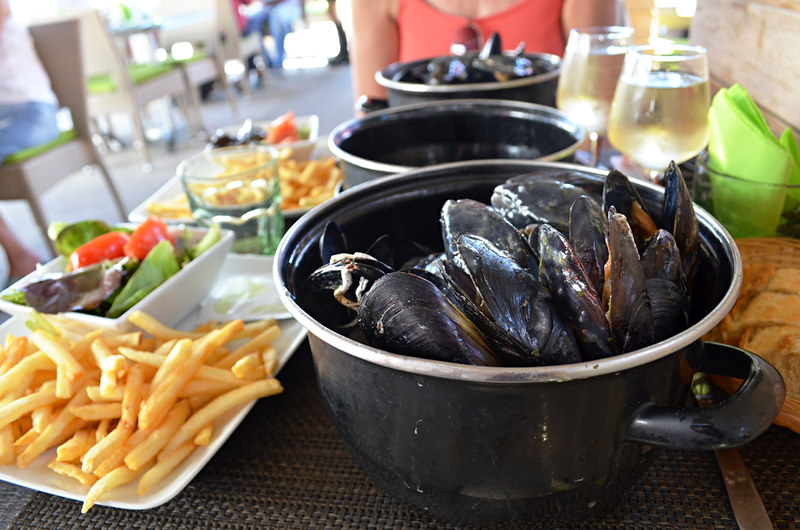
x,y
516,434
491,73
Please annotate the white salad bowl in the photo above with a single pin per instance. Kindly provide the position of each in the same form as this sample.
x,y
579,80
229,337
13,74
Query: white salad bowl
x,y
169,303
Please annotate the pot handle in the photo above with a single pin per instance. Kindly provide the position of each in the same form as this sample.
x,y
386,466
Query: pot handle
x,y
367,104
737,420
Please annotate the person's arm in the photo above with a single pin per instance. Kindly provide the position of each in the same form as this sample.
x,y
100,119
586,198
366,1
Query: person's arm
x,y
583,13
374,46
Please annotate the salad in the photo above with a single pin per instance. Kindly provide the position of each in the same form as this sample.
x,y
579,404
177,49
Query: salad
x,y
109,269
281,130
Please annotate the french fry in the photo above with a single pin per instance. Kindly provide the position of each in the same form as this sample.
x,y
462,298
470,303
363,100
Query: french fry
x,y
75,447
178,355
266,337
207,387
220,405
14,350
97,411
73,471
158,438
15,375
157,329
204,436
132,399
108,384
46,439
269,358
130,409
96,395
58,352
7,452
17,408
115,459
102,429
117,477
23,440
82,348
40,417
249,367
164,467
165,394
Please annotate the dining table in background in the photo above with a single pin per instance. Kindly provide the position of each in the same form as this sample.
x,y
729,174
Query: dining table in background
x,y
286,467
141,39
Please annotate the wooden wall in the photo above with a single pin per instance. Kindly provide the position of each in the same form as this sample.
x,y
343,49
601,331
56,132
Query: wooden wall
x,y
755,44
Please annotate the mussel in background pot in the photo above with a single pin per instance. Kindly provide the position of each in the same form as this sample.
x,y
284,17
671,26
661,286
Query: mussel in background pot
x,y
541,444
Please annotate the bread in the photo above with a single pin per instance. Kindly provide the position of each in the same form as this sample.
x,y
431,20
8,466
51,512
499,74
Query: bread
x,y
766,316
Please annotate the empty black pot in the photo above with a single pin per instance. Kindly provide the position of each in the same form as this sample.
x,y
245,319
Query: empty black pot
x,y
538,444
414,136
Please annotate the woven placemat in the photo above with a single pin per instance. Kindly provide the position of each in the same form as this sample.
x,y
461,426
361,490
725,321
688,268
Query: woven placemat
x,y
285,467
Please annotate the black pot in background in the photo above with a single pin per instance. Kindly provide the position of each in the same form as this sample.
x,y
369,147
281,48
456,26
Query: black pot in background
x,y
540,88
539,444
409,137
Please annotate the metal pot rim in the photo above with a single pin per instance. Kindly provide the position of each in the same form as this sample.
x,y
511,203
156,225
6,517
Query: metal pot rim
x,y
502,375
392,114
384,78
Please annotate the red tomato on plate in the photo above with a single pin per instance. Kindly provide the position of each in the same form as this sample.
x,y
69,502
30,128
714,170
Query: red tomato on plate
x,y
106,246
146,236
282,128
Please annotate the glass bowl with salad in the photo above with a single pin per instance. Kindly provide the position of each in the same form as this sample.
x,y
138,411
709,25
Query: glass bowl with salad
x,y
104,272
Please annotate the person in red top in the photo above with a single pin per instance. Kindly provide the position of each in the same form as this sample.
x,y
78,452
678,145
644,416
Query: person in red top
x,y
387,31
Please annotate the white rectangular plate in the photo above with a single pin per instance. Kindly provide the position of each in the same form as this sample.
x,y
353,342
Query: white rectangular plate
x,y
39,477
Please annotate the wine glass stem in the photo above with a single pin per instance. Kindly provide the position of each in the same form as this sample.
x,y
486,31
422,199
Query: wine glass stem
x,y
594,148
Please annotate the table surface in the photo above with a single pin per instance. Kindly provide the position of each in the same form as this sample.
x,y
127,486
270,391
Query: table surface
x,y
285,467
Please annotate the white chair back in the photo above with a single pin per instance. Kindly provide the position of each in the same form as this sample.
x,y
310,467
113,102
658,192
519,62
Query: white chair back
x,y
102,56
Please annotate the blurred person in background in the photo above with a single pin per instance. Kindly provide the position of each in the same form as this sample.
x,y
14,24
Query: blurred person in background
x,y
28,109
388,31
343,56
275,17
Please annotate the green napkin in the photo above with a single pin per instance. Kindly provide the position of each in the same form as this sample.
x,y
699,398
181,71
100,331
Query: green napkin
x,y
741,145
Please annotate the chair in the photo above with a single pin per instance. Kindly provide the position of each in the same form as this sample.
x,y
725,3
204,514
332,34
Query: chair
x,y
117,87
232,45
28,174
194,22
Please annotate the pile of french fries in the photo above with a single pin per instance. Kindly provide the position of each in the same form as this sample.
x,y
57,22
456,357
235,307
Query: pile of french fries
x,y
307,184
125,406
304,184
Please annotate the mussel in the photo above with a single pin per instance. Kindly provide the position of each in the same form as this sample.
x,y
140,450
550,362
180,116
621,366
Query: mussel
x,y
407,314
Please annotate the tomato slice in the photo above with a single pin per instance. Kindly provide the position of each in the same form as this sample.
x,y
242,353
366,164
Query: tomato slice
x,y
146,236
281,128
106,246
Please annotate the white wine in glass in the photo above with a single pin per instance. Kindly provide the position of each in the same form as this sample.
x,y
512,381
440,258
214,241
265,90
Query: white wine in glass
x,y
660,108
592,63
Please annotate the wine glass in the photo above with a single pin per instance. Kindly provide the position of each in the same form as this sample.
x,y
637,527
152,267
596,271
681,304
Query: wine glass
x,y
660,108
592,63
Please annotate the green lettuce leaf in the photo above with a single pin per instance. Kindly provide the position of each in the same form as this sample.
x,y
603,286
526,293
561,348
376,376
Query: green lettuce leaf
x,y
72,236
159,264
